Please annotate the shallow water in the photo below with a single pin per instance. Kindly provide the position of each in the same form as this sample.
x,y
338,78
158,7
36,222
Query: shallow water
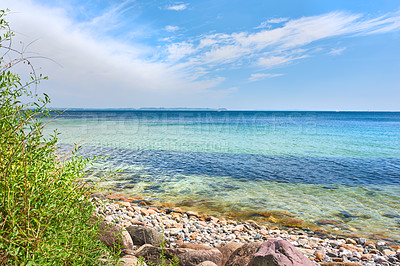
x,y
338,166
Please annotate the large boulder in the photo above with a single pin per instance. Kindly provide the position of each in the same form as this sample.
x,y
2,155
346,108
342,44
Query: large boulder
x,y
195,257
276,252
155,255
243,255
228,249
114,236
145,235
195,246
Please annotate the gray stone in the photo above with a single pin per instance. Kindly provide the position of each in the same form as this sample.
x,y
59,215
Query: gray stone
x,y
145,235
194,258
114,236
279,253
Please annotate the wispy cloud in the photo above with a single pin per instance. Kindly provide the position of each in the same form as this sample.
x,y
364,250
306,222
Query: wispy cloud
x,y
178,7
283,45
337,51
171,28
267,24
261,76
94,64
275,61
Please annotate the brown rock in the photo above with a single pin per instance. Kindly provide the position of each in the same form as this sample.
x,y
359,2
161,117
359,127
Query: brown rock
x,y
388,252
318,256
351,241
351,247
145,235
177,209
193,236
127,200
136,221
113,197
179,242
154,209
243,254
114,237
228,249
252,223
124,203
238,228
366,256
176,215
195,246
151,211
192,213
212,218
207,263
144,211
374,251
129,260
143,203
193,258
279,252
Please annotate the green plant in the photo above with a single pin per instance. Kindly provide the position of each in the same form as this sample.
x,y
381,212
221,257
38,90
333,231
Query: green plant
x,y
46,216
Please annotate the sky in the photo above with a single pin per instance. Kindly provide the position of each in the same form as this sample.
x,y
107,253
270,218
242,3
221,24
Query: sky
x,y
240,55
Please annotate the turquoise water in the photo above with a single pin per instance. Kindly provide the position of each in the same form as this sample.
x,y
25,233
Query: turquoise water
x,y
338,166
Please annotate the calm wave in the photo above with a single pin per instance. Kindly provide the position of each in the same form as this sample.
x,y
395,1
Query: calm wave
x,y
339,166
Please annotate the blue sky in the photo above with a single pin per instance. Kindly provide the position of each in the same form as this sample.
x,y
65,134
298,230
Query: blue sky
x,y
268,55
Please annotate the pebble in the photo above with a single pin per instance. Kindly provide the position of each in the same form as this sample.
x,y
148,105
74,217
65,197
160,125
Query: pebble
x,y
181,227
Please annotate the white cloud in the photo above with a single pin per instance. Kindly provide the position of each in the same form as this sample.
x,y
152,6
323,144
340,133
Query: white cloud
x,y
178,7
97,70
337,51
170,28
176,51
261,76
277,20
267,24
276,61
269,48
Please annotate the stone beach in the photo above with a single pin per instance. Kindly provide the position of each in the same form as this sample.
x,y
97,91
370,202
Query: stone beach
x,y
184,231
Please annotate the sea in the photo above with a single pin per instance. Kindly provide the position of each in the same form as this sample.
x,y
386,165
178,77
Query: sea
x,y
335,171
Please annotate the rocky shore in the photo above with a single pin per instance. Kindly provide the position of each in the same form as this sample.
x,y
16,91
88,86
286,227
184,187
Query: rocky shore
x,y
193,239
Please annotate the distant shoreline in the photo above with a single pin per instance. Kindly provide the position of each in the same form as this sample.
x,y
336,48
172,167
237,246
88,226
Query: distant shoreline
x,y
213,110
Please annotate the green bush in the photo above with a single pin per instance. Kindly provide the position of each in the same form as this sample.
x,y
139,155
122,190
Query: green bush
x,y
45,212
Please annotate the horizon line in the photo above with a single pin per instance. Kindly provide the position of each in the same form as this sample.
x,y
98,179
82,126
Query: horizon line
x,y
222,109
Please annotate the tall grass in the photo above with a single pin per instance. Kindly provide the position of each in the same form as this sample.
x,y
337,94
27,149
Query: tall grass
x,y
45,213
